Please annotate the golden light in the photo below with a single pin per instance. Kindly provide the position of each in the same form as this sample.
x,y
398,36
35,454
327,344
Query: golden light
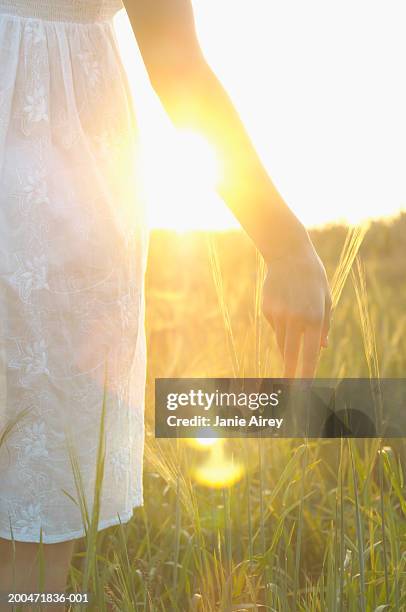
x,y
218,471
334,146
179,179
178,169
202,443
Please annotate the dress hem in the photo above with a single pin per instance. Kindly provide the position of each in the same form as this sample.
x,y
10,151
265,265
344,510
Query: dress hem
x,y
138,502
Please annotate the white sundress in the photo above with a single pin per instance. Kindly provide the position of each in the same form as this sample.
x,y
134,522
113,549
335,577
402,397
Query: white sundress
x,y
73,245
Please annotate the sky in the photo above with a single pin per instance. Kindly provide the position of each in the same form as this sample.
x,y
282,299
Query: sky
x,y
320,86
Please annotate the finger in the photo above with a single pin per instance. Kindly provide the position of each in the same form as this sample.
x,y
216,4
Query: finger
x,y
294,329
311,349
328,312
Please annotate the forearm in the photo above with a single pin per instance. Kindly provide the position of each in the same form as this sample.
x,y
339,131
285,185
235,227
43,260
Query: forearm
x,y
194,97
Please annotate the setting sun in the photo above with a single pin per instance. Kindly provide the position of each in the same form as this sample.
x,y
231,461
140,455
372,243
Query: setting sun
x,y
188,173
329,126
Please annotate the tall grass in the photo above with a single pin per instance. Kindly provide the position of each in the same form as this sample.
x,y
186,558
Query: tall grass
x,y
311,524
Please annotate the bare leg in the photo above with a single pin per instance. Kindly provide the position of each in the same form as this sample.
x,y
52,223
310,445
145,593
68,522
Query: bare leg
x,y
19,570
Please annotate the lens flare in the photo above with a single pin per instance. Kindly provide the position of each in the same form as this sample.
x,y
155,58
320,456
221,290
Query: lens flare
x,y
202,443
218,471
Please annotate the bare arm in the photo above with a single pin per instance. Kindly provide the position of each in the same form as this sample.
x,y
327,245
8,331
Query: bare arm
x,y
193,97
296,294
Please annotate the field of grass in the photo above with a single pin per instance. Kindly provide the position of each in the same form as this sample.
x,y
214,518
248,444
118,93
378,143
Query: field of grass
x,y
291,524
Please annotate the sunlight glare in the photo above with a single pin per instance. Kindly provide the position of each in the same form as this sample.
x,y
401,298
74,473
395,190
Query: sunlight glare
x,y
202,443
327,120
180,180
218,471
178,169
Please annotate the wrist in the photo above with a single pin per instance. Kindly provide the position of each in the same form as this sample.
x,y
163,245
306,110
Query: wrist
x,y
285,239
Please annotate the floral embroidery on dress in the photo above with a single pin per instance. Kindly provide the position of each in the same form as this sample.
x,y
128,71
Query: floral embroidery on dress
x,y
34,440
34,29
29,519
30,275
34,361
35,107
91,67
34,190
71,269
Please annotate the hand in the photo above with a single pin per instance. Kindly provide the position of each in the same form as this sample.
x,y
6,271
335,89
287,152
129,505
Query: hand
x,y
297,302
